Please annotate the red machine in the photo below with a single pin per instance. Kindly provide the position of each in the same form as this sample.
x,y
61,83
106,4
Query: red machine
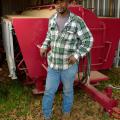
x,y
106,32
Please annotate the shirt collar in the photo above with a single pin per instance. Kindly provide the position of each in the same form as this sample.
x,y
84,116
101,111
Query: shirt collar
x,y
54,23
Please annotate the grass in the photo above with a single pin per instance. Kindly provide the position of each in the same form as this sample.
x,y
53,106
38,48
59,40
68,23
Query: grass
x,y
18,103
14,101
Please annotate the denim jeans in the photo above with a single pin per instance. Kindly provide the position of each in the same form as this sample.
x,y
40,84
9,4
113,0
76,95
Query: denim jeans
x,y
52,82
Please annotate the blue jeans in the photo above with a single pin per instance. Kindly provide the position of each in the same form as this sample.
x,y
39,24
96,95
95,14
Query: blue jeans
x,y
52,82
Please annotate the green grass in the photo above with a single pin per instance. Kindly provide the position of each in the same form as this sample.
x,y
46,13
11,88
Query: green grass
x,y
18,103
15,99
105,116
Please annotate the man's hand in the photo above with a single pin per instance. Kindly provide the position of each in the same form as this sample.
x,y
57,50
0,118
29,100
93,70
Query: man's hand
x,y
71,59
43,52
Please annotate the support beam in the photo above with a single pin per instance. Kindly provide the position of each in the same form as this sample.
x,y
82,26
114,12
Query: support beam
x,y
98,7
104,7
83,3
118,9
93,5
88,4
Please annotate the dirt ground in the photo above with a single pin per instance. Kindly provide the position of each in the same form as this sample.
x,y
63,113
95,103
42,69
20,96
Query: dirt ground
x,y
84,107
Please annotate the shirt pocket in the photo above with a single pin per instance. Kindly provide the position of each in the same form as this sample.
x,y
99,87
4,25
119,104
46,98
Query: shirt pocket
x,y
70,35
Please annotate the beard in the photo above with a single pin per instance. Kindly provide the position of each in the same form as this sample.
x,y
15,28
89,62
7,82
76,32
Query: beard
x,y
61,10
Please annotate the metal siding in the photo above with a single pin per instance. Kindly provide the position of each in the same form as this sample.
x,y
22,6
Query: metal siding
x,y
107,8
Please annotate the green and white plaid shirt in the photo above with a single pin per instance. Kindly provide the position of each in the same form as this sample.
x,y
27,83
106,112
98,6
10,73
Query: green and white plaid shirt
x,y
75,39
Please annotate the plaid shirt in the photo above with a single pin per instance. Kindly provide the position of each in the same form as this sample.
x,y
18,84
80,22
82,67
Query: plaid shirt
x,y
75,39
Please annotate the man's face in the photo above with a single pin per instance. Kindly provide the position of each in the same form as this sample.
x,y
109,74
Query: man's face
x,y
61,6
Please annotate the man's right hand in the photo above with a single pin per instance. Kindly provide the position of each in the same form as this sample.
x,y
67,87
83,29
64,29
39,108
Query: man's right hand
x,y
43,52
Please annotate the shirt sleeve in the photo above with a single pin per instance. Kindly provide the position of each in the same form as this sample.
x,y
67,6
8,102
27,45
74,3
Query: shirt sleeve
x,y
84,38
47,41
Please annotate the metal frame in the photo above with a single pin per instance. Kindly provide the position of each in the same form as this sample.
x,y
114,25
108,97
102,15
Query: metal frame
x,y
104,99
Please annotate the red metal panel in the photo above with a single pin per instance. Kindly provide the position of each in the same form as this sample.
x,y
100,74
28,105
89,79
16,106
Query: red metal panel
x,y
106,36
30,32
113,36
90,18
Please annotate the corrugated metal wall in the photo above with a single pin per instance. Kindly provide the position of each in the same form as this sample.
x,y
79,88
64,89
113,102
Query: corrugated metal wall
x,y
109,8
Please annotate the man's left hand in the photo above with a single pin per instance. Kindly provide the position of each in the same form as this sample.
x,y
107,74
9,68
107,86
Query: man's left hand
x,y
72,59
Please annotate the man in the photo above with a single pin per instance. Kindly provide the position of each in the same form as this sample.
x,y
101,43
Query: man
x,y
69,39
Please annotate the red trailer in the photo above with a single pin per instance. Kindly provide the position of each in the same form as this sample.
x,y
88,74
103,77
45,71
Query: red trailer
x,y
31,31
